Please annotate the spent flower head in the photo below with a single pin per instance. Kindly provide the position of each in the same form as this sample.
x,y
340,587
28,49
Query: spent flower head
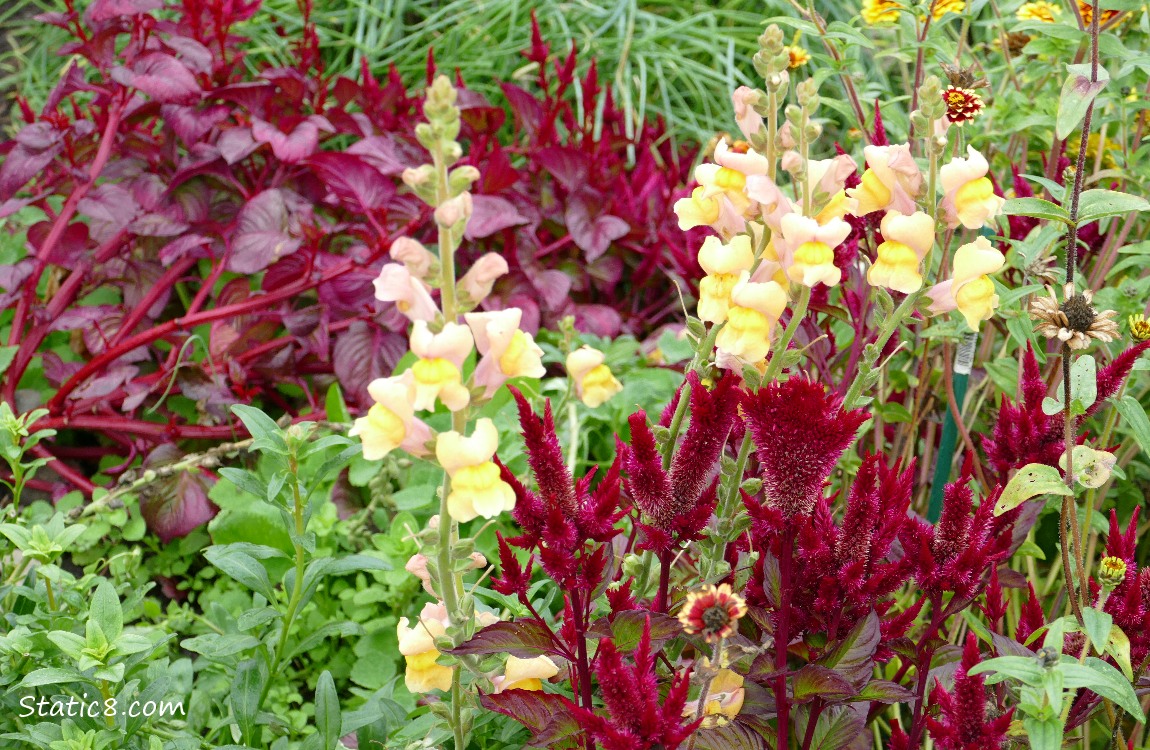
x,y
713,612
1073,321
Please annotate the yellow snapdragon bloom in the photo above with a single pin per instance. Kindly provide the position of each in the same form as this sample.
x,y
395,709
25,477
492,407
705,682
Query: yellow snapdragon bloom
x,y
438,373
725,698
968,194
751,319
525,674
970,290
723,263
417,644
594,382
906,242
477,489
390,423
810,253
506,350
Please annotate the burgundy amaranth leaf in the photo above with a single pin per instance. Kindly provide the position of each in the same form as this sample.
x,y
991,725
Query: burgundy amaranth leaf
x,y
353,179
178,507
800,432
162,77
105,10
261,236
292,147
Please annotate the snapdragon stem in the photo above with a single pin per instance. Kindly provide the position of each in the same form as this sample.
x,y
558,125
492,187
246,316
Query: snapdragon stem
x,y
874,350
449,584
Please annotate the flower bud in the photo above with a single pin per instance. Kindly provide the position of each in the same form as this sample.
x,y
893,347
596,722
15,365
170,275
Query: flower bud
x,y
461,178
1111,572
418,176
454,211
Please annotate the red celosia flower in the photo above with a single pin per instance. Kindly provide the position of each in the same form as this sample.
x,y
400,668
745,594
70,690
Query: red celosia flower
x,y
1031,620
841,571
677,504
962,104
713,611
956,554
635,720
962,722
801,432
1129,602
1024,434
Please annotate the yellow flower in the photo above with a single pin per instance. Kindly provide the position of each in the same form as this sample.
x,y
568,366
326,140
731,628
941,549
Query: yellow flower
x,y
969,197
942,7
439,371
723,264
507,352
754,312
724,700
1112,572
1086,9
417,644
907,240
876,12
594,382
892,180
390,422
477,489
1039,10
970,290
698,210
1139,327
798,55
809,248
525,674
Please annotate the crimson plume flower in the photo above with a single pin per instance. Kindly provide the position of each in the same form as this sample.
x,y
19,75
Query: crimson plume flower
x,y
635,720
956,554
677,504
1024,434
1128,602
842,571
1031,620
963,723
565,515
801,432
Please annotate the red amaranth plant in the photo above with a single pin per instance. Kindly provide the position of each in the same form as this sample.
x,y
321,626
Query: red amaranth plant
x,y
210,234
963,723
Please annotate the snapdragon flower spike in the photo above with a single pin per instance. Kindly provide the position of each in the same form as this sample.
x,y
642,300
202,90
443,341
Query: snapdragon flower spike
x,y
635,720
1024,434
678,504
963,723
955,554
801,432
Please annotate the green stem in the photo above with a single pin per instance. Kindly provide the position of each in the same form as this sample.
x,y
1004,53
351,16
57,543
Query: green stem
x,y
872,352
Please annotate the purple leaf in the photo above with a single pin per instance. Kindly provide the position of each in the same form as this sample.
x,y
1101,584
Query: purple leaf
x,y
567,165
261,235
545,714
523,638
379,152
160,76
362,354
600,320
813,681
188,244
110,203
593,233
192,123
179,511
105,383
195,55
291,147
734,736
236,144
352,179
104,10
490,214
553,287
36,146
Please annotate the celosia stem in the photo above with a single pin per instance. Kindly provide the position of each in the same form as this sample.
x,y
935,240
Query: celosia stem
x,y
664,581
582,665
782,640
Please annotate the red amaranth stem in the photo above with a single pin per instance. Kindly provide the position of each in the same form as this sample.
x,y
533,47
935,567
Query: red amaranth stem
x,y
582,664
661,598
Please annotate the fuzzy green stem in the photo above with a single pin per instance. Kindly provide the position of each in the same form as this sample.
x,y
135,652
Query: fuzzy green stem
x,y
872,352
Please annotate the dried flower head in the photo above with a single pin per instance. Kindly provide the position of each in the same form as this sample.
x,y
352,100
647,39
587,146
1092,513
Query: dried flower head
x,y
1073,321
713,611
1111,572
1016,41
1039,10
962,104
963,78
1139,327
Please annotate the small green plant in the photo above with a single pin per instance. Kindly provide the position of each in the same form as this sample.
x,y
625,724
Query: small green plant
x,y
16,440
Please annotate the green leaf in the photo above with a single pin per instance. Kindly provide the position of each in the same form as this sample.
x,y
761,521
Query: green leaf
x,y
51,676
1102,678
335,405
853,656
627,628
1119,648
1084,380
238,564
1044,734
7,354
1023,668
267,434
1036,208
1097,625
245,697
70,643
1077,93
813,681
245,480
1030,481
884,691
106,610
1135,416
327,715
1102,204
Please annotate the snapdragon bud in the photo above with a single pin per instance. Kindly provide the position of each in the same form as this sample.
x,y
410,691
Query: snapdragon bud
x,y
454,210
462,178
